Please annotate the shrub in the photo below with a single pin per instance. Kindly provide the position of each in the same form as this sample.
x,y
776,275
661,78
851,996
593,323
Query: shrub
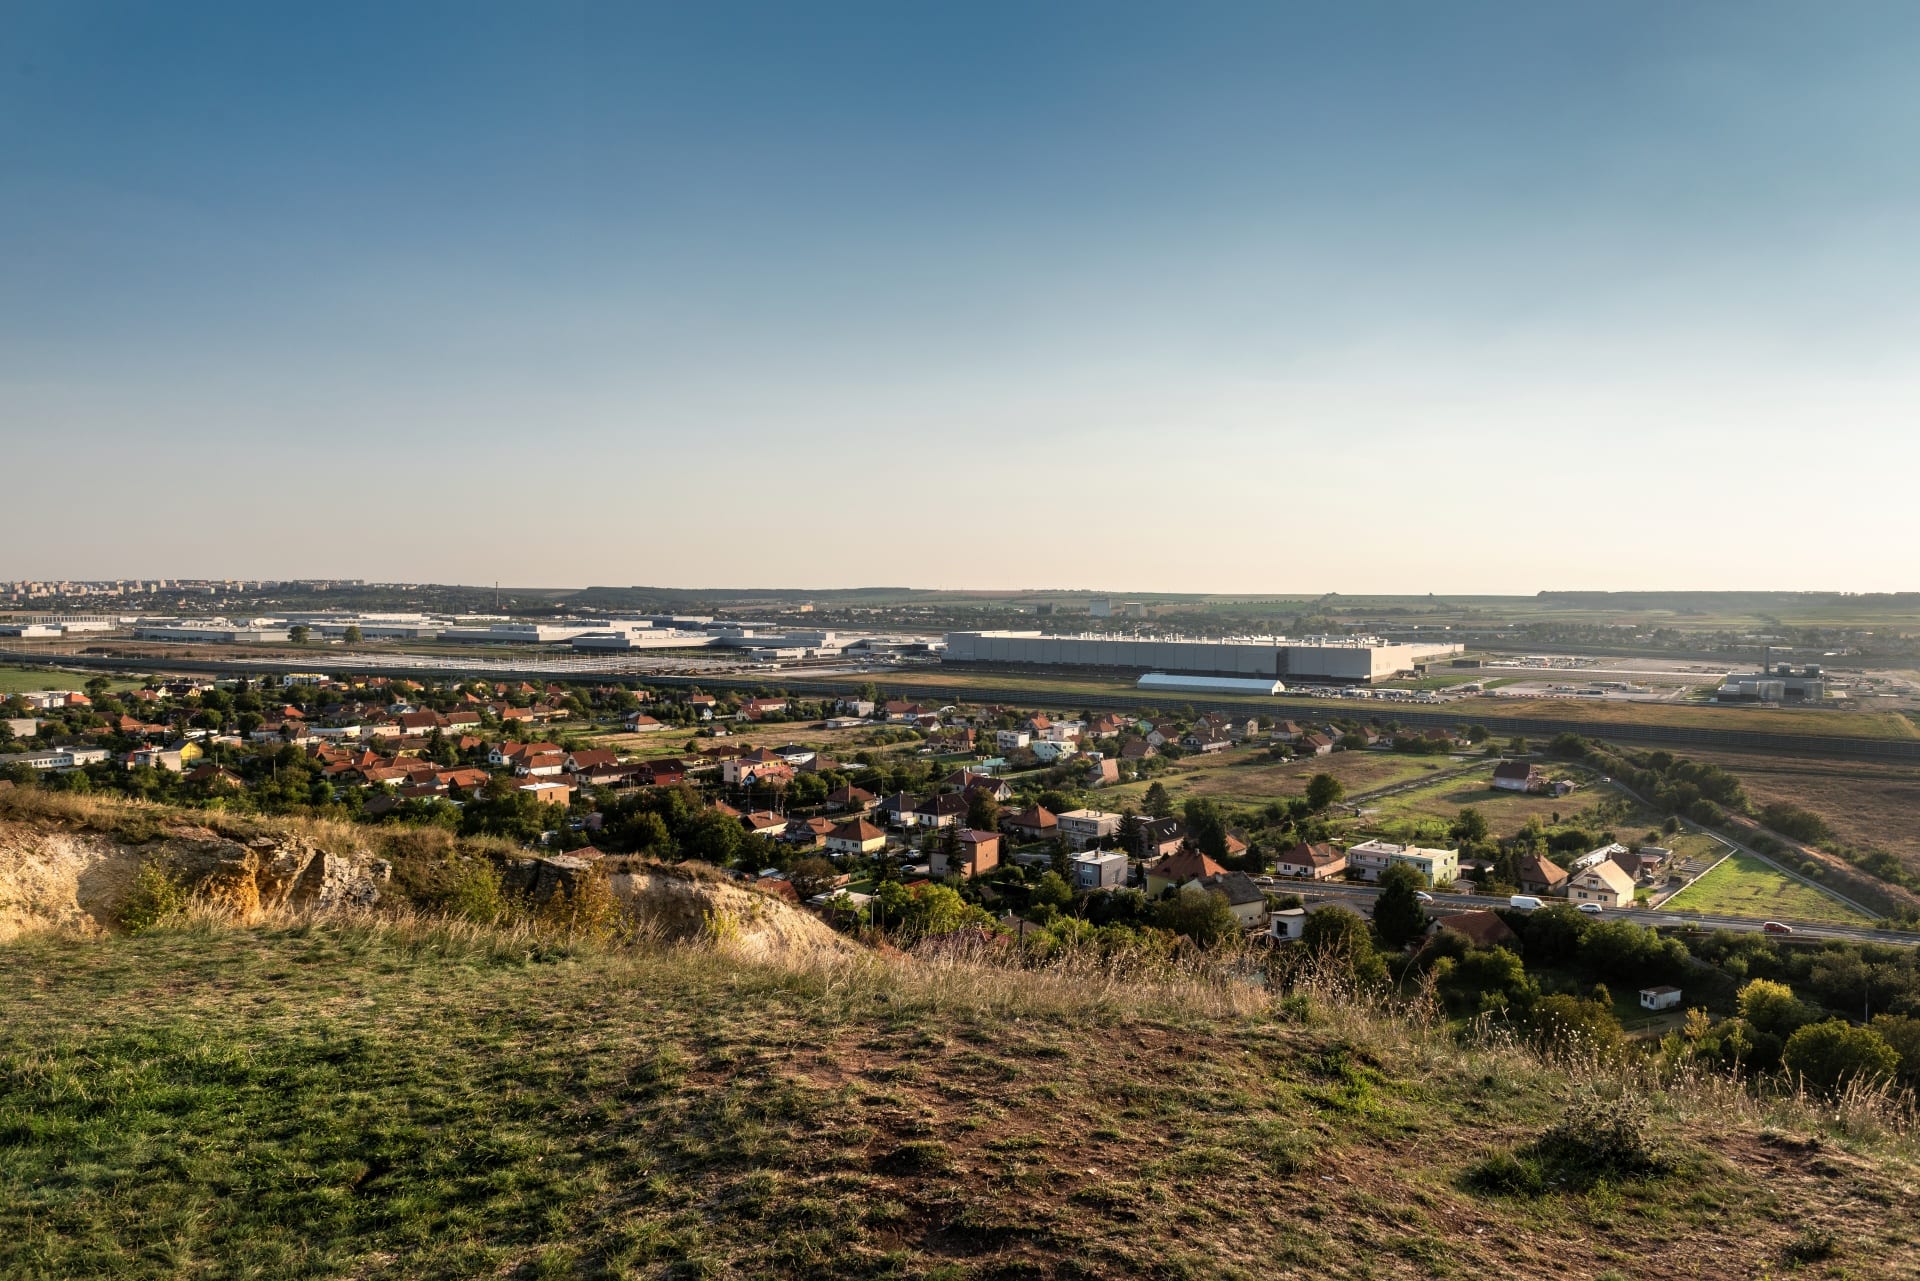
x,y
1569,1023
156,898
591,911
1600,1138
1829,1055
472,892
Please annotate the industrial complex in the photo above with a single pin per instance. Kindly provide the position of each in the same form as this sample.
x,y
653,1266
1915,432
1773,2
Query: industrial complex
x,y
1344,660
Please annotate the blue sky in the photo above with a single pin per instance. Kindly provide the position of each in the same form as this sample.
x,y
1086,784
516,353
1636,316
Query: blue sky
x,y
1492,297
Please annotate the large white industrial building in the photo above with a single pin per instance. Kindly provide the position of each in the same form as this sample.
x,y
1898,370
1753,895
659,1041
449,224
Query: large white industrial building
x,y
1350,660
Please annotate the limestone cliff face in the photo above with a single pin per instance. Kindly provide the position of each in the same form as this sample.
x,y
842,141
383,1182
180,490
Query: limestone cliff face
x,y
56,877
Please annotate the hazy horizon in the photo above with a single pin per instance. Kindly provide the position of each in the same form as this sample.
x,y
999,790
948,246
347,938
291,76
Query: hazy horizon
x,y
1383,299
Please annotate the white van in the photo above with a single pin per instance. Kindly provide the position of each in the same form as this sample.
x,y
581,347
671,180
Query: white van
x,y
1525,903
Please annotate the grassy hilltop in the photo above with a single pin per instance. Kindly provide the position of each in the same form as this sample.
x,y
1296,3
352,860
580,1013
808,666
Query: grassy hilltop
x,y
389,1093
410,1099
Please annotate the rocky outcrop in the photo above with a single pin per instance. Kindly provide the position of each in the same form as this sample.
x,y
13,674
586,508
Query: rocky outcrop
x,y
61,880
539,879
67,879
699,903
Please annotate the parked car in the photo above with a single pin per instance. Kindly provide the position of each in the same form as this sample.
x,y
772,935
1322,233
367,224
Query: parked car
x,y
1592,909
1777,927
1525,903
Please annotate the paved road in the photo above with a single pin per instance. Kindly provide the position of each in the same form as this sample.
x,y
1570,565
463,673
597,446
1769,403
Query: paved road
x,y
1361,896
1071,694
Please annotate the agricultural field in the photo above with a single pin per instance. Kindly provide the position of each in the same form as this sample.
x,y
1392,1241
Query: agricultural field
x,y
1866,803
1746,886
22,680
1492,711
1248,776
841,743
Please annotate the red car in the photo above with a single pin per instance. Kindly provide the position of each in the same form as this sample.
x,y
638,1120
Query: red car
x,y
1776,927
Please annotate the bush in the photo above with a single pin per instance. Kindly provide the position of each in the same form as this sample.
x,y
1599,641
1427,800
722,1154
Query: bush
x,y
473,893
1569,1023
592,911
1829,1055
1599,1139
156,898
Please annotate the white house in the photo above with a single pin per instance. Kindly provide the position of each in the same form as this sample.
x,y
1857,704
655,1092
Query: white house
x,y
1659,998
1100,871
1605,883
1082,828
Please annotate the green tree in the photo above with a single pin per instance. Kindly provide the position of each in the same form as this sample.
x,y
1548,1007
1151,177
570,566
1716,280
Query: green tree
x,y
928,909
1902,1032
714,838
811,876
352,635
1480,979
1157,802
1470,827
1335,932
1338,939
1060,858
1323,791
1052,891
1201,915
1398,916
983,812
1772,1007
1829,1055
299,633
1207,826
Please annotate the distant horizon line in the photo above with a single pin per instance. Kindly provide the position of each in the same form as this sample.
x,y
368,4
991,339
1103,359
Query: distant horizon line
x,y
999,591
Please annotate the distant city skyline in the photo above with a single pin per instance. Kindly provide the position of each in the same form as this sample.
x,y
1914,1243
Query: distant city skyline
x,y
1259,299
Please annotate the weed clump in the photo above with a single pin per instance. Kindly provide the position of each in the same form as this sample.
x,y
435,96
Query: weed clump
x,y
1813,1245
920,1156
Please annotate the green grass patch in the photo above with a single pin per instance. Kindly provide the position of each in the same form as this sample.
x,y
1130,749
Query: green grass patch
x,y
26,680
354,1101
1743,885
